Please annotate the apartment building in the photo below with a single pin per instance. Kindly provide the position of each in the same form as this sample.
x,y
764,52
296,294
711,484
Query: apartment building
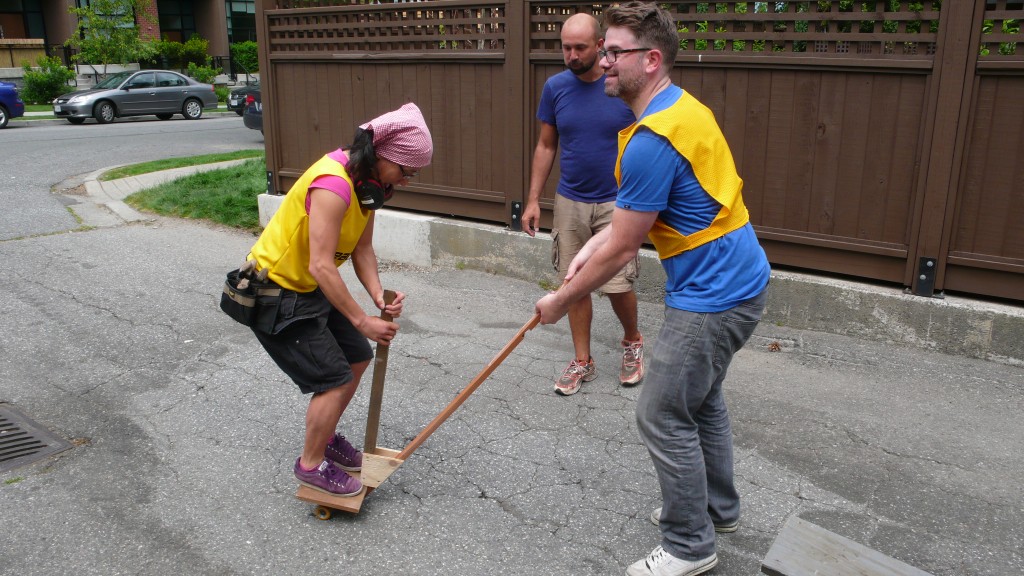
x,y
47,24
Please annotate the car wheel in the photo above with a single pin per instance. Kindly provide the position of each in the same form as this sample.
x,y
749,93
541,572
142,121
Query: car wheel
x,y
76,120
164,116
3,117
239,112
192,109
104,112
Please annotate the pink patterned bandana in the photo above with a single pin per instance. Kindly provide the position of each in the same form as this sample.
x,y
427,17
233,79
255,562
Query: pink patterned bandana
x,y
402,137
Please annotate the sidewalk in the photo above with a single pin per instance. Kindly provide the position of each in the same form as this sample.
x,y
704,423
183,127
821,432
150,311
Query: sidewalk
x,y
184,432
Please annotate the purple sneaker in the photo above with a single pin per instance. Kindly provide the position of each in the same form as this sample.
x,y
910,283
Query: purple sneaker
x,y
328,478
343,454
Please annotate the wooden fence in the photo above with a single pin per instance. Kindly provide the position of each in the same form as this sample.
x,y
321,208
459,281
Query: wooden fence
x,y
877,140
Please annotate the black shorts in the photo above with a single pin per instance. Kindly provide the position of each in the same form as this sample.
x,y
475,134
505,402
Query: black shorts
x,y
314,344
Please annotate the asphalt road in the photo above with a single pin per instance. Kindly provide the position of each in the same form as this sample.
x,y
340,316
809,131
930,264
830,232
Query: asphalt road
x,y
37,156
184,432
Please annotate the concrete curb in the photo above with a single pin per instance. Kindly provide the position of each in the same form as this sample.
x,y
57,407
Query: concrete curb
x,y
105,206
951,325
28,120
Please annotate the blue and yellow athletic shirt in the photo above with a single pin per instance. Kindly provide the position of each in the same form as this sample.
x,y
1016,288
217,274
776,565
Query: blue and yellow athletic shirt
x,y
675,161
284,244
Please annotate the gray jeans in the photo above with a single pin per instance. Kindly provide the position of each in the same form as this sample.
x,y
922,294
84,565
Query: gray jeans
x,y
684,423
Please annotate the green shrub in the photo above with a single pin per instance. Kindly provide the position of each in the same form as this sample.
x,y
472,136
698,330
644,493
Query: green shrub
x,y
246,55
194,51
222,93
46,83
202,73
165,54
176,55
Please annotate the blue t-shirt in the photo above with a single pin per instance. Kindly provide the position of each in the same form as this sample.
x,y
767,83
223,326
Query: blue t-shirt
x,y
588,123
656,178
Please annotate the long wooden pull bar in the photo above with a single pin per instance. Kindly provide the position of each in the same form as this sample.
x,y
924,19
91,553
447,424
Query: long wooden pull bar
x,y
469,389
380,368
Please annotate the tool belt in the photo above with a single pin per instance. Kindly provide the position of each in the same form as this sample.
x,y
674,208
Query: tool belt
x,y
250,299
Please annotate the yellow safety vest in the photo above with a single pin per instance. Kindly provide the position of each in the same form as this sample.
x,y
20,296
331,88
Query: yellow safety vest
x,y
691,129
284,245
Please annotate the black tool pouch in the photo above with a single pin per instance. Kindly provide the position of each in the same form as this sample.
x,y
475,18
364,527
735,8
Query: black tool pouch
x,y
250,301
268,300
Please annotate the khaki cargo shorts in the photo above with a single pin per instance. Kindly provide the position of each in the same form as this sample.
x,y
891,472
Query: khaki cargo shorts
x,y
574,224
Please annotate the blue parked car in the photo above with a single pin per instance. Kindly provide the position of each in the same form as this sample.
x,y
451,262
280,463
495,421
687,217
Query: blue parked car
x,y
11,105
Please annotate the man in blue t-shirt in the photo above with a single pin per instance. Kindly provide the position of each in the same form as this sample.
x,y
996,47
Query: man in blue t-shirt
x,y
679,187
576,115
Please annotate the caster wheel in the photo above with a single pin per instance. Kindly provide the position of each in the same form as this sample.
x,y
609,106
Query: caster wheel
x,y
322,512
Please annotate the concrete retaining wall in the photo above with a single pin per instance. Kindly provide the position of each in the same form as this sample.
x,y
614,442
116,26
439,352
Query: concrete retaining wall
x,y
957,326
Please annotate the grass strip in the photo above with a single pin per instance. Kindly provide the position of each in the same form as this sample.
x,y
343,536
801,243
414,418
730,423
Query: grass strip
x,y
168,163
227,196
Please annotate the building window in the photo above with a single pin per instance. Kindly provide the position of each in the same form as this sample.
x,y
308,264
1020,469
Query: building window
x,y
21,19
241,20
121,17
177,19
12,20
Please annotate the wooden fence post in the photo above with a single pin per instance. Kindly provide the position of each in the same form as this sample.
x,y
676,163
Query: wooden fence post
x,y
945,132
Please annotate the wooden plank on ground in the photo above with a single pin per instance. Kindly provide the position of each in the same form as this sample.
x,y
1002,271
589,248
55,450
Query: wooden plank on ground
x,y
805,549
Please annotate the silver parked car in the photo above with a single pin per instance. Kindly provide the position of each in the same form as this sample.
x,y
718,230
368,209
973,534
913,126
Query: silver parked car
x,y
160,92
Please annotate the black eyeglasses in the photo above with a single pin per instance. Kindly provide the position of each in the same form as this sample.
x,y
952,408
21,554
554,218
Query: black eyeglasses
x,y
408,175
613,55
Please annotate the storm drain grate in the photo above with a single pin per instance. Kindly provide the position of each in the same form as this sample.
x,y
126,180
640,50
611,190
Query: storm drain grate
x,y
22,441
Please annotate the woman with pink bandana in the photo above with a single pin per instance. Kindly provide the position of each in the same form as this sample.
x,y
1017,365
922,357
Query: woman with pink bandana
x,y
319,336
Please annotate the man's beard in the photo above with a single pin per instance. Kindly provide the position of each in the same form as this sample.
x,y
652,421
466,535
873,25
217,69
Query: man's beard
x,y
625,88
579,67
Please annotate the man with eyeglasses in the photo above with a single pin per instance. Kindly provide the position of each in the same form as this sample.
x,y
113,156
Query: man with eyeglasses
x,y
576,115
678,186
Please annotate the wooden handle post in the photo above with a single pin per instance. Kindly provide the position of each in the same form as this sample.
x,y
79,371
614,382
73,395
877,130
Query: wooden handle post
x,y
380,368
472,386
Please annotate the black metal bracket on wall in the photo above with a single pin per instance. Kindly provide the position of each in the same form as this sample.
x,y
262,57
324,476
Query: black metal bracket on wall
x,y
516,221
925,285
270,183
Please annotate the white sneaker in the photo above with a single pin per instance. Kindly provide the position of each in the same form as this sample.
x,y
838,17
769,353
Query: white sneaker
x,y
661,563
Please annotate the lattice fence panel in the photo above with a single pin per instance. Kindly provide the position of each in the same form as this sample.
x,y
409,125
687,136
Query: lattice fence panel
x,y
347,28
546,22
1001,38
890,30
